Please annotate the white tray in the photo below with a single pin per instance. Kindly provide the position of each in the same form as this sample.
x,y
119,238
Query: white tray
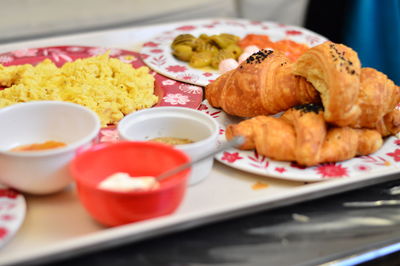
x,y
57,225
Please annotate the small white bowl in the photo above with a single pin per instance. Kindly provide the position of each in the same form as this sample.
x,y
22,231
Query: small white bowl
x,y
44,171
175,122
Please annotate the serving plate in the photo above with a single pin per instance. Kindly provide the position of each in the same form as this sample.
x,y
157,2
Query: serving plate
x,y
157,52
386,158
12,213
170,92
57,226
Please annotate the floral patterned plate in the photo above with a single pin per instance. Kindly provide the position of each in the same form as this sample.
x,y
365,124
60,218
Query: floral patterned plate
x,y
157,52
12,213
170,92
384,160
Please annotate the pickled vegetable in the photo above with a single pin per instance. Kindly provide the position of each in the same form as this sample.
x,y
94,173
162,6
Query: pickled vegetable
x,y
205,50
224,40
204,45
222,54
184,39
201,59
183,52
235,50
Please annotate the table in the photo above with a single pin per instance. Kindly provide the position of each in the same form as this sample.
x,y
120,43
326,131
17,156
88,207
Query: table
x,y
250,232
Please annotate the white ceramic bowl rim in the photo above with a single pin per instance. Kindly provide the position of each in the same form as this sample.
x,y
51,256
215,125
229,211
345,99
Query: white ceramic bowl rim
x,y
126,120
71,146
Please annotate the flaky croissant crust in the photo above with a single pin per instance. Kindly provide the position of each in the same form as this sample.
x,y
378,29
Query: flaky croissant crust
x,y
263,84
302,135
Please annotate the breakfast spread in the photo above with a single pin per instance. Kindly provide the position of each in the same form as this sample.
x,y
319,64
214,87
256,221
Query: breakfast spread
x,y
51,144
334,108
205,51
106,85
298,105
123,182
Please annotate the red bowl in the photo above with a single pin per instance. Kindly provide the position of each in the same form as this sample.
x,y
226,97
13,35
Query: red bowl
x,y
113,208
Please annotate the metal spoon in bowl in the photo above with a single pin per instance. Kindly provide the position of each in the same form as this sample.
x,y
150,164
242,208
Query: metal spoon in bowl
x,y
236,141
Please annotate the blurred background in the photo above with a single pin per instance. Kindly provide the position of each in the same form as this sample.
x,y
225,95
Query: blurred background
x,y
26,19
371,27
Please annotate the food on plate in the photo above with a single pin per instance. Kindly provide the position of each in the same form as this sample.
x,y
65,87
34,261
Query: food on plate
x,y
263,84
260,40
106,85
123,182
302,135
172,140
357,109
351,95
334,70
205,51
47,145
290,48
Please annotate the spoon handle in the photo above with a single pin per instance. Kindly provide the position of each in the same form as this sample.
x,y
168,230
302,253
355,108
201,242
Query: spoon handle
x,y
236,141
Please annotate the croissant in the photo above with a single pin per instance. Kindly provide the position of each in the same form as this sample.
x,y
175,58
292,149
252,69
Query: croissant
x,y
351,95
378,97
261,85
334,70
302,135
389,124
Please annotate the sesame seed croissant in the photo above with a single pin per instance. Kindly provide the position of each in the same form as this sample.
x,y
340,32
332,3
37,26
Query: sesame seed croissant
x,y
302,135
351,95
263,84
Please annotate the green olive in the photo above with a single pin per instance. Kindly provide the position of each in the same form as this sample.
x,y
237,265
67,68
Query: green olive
x,y
201,59
223,40
234,49
184,39
182,52
221,55
202,45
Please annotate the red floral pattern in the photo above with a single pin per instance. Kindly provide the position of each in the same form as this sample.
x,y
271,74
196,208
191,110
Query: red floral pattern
x,y
395,155
176,69
150,44
231,157
259,161
3,232
280,169
157,51
330,170
186,28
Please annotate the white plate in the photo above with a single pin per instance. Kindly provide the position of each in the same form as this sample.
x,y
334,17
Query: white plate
x,y
157,52
386,158
12,213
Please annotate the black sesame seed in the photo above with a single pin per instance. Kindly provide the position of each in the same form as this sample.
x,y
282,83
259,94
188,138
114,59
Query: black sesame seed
x,y
310,107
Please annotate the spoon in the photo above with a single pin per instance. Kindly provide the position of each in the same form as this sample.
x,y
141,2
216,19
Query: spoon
x,y
236,141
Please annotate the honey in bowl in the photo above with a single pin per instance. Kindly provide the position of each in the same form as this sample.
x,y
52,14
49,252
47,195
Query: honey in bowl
x,y
51,144
172,140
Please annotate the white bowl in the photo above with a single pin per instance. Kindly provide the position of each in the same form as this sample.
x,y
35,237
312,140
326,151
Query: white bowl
x,y
178,122
45,171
